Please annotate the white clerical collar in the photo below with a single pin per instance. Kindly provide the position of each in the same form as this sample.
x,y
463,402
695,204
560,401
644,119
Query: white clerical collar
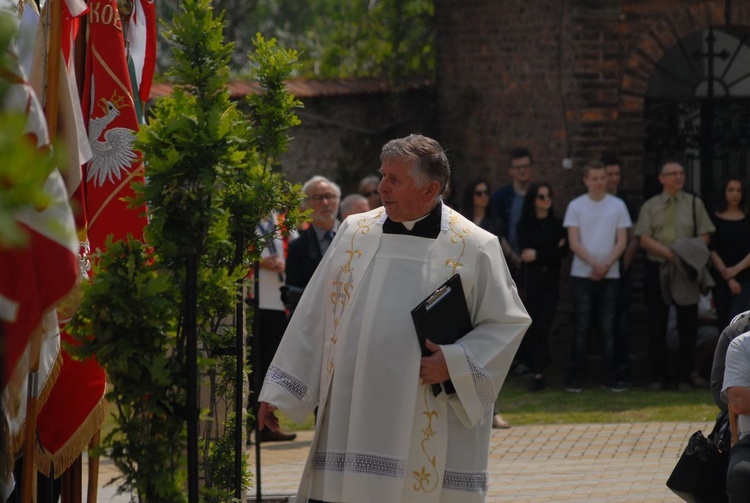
x,y
409,224
444,217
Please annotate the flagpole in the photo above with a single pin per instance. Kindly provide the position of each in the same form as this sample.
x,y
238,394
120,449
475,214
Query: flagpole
x,y
53,32
52,74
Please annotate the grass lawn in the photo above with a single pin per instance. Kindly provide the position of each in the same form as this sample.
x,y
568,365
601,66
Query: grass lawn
x,y
594,405
597,405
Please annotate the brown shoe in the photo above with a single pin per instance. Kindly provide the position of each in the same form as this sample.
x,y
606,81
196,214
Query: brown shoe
x,y
276,436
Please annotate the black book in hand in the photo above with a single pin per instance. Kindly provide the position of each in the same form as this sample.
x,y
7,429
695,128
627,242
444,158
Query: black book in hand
x,y
443,318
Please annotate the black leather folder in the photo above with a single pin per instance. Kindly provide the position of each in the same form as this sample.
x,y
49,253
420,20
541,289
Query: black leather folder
x,y
443,318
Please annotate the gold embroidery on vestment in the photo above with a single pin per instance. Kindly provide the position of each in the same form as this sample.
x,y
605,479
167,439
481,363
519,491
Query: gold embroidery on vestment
x,y
343,285
458,237
427,478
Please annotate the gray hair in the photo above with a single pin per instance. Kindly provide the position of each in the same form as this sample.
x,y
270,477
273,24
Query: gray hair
x,y
317,179
349,201
432,163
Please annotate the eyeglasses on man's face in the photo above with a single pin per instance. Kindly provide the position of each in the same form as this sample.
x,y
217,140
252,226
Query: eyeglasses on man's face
x,y
320,197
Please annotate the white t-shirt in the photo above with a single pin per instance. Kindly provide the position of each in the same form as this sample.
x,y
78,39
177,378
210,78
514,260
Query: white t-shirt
x,y
597,223
737,373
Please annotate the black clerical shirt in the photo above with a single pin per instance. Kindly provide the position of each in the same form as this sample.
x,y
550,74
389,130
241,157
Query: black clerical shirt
x,y
428,227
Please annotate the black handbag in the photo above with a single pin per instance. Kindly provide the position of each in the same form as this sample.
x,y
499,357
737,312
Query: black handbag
x,y
700,475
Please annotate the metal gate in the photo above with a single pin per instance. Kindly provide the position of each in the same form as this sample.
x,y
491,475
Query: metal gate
x,y
697,110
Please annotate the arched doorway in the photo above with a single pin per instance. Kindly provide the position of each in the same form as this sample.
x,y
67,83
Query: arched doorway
x,y
697,109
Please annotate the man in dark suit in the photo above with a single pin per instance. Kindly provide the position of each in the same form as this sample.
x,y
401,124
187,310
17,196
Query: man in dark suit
x,y
305,252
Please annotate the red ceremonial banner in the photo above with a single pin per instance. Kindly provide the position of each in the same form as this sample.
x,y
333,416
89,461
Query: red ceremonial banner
x,y
111,122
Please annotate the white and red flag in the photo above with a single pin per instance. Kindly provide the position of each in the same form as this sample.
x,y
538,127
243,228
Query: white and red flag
x,y
141,45
75,409
35,277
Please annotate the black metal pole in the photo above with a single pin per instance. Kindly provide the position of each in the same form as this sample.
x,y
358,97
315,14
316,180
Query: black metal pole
x,y
239,375
257,377
191,364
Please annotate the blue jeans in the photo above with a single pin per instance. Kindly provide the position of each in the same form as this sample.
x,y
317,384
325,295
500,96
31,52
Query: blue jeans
x,y
585,293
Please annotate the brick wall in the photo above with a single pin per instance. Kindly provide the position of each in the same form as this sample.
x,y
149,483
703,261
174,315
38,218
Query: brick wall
x,y
341,136
565,78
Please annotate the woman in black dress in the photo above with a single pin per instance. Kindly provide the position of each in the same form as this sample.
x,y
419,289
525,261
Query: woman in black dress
x,y
730,252
544,244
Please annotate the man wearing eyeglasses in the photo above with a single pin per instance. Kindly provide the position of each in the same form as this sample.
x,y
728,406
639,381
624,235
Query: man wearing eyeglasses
x,y
507,201
667,223
305,252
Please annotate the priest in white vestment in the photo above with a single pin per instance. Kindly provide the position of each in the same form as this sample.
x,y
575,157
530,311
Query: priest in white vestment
x,y
351,348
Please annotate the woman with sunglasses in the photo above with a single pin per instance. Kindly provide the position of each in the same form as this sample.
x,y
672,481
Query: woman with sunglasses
x,y
475,206
544,244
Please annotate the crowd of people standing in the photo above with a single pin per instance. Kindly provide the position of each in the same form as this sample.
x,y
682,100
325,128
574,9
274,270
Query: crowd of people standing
x,y
603,231
408,246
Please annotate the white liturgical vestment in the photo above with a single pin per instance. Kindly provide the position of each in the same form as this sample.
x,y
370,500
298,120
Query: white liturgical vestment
x,y
351,349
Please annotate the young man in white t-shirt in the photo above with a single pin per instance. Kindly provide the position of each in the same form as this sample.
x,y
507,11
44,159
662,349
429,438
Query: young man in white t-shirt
x,y
597,224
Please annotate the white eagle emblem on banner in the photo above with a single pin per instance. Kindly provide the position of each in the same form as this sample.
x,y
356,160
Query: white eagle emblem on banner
x,y
114,155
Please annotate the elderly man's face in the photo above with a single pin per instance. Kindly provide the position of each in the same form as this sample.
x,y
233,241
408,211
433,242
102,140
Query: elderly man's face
x,y
672,178
324,202
402,199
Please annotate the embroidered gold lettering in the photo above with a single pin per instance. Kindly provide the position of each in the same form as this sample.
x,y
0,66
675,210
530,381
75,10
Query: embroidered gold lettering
x,y
104,14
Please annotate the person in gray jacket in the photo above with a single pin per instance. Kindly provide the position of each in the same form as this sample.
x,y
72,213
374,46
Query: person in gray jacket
x,y
664,219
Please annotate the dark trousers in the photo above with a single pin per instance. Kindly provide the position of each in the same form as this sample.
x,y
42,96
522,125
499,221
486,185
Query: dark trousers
x,y
738,474
587,293
524,355
272,327
661,367
541,296
620,326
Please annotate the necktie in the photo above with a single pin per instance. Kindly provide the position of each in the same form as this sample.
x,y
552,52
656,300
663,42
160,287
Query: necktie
x,y
670,222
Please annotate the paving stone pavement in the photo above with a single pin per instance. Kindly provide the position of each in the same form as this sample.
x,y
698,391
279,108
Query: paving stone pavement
x,y
582,463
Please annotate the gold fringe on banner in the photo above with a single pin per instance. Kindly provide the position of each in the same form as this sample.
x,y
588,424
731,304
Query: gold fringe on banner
x,y
76,444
